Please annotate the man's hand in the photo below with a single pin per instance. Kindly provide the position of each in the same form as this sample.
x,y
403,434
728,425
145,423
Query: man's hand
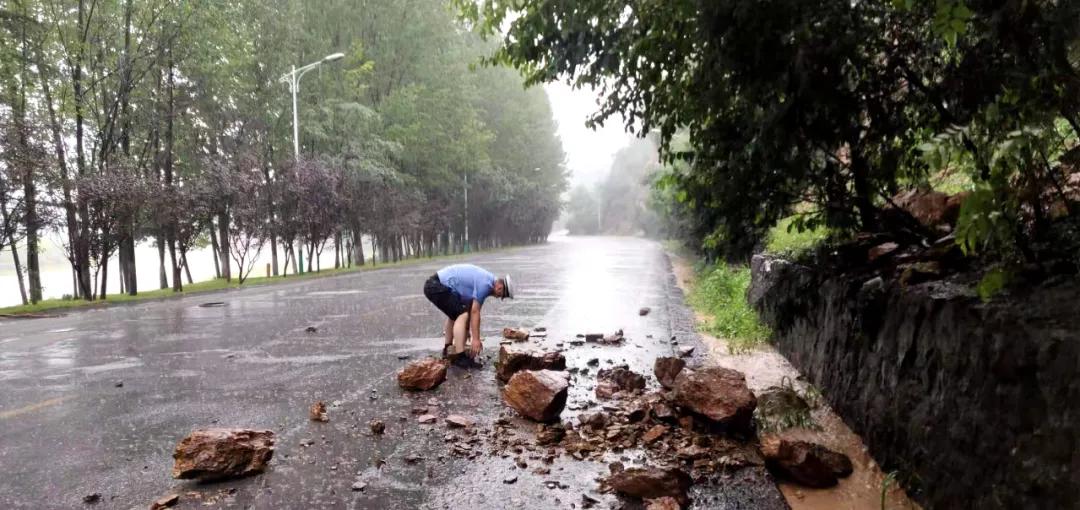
x,y
475,347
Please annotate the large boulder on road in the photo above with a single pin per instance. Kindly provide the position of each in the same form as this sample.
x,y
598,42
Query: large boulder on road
x,y
718,394
537,394
514,359
423,374
220,453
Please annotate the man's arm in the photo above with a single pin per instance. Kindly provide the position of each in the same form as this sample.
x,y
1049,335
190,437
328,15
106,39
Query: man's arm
x,y
474,328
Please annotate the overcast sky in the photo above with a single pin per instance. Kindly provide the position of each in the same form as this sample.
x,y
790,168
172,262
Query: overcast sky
x,y
588,153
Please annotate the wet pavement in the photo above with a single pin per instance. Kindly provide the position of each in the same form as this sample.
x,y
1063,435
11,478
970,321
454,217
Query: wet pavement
x,y
95,401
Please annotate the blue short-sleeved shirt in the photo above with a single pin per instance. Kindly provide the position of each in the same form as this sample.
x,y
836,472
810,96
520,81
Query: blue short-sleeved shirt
x,y
468,281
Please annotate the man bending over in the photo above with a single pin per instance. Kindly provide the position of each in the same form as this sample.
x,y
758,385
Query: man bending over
x,y
459,291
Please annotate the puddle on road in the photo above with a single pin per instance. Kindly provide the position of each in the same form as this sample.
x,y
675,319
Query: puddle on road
x,y
300,360
115,365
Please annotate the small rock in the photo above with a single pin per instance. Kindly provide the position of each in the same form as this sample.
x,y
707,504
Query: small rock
x,y
624,378
459,421
165,501
517,335
427,418
537,394
413,459
593,362
359,486
664,503
881,250
422,374
90,499
377,426
643,311
119,384
686,350
606,389
311,329
404,356
550,434
214,454
510,479
651,483
318,412
513,360
666,369
809,464
654,434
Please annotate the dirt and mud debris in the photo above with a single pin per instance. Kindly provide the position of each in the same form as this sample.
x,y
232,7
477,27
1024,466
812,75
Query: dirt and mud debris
x,y
219,453
422,375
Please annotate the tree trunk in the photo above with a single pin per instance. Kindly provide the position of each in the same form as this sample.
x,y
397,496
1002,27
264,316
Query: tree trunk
x,y
214,247
178,283
273,254
18,272
82,248
187,269
223,240
104,265
359,248
163,279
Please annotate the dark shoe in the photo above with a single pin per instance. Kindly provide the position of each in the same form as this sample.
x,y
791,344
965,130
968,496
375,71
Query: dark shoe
x,y
462,360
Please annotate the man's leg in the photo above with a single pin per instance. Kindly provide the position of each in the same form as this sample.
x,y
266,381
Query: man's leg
x,y
448,341
461,329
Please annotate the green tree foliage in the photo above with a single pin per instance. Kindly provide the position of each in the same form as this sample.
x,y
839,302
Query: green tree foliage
x,y
787,103
104,101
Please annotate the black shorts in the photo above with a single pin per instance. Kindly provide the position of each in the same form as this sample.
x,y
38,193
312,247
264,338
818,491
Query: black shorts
x,y
444,298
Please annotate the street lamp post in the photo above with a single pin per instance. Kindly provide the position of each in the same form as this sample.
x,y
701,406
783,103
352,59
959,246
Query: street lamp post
x,y
466,212
293,79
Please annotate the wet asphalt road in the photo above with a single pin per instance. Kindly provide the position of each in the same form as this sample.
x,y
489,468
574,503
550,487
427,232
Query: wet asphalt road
x,y
68,428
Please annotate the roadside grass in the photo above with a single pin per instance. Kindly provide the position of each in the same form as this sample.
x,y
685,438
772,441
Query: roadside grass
x,y
786,241
720,293
48,305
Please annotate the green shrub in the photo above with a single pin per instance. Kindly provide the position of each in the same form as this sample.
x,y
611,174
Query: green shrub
x,y
720,291
787,240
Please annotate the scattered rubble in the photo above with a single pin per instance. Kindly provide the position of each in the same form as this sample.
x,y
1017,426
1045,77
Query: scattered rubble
x,y
717,393
359,486
377,426
422,375
537,394
459,421
515,334
643,311
513,360
651,483
311,329
666,369
91,499
214,454
318,412
807,463
881,250
427,418
622,378
165,501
